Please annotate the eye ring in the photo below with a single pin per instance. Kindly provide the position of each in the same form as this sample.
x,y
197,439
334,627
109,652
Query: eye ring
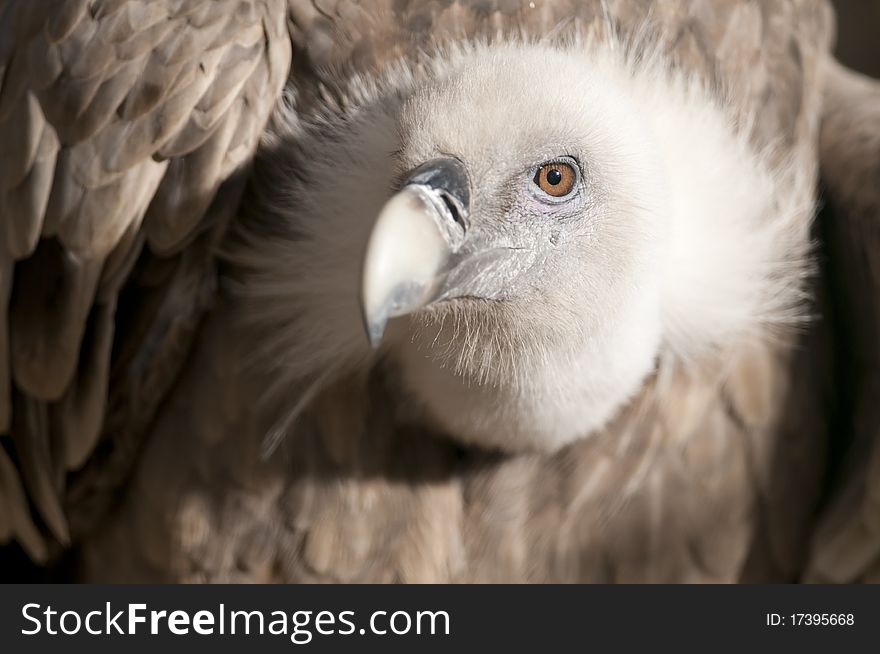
x,y
557,179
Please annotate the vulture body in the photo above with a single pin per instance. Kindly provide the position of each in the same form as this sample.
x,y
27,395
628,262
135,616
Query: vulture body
x,y
632,381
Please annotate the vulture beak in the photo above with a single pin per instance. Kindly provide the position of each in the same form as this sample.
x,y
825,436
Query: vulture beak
x,y
413,244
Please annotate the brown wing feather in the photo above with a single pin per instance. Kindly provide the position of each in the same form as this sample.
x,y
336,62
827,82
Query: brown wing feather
x,y
846,547
119,122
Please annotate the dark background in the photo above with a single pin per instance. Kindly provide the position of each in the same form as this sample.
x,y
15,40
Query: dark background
x,y
858,34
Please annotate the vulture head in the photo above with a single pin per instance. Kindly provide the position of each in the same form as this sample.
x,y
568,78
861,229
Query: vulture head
x,y
523,233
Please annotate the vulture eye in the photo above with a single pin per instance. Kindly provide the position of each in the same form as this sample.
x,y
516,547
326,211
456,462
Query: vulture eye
x,y
557,178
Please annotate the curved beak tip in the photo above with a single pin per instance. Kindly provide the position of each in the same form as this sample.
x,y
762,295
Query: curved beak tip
x,y
409,250
375,331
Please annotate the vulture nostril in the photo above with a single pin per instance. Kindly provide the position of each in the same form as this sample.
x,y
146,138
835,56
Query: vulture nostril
x,y
453,210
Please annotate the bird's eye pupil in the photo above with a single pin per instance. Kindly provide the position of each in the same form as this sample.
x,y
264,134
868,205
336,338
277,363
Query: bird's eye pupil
x,y
556,179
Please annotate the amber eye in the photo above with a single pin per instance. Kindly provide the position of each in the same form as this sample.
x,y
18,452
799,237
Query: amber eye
x,y
556,179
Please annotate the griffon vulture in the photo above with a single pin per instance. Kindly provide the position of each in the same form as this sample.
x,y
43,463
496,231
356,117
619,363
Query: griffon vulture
x,y
437,290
